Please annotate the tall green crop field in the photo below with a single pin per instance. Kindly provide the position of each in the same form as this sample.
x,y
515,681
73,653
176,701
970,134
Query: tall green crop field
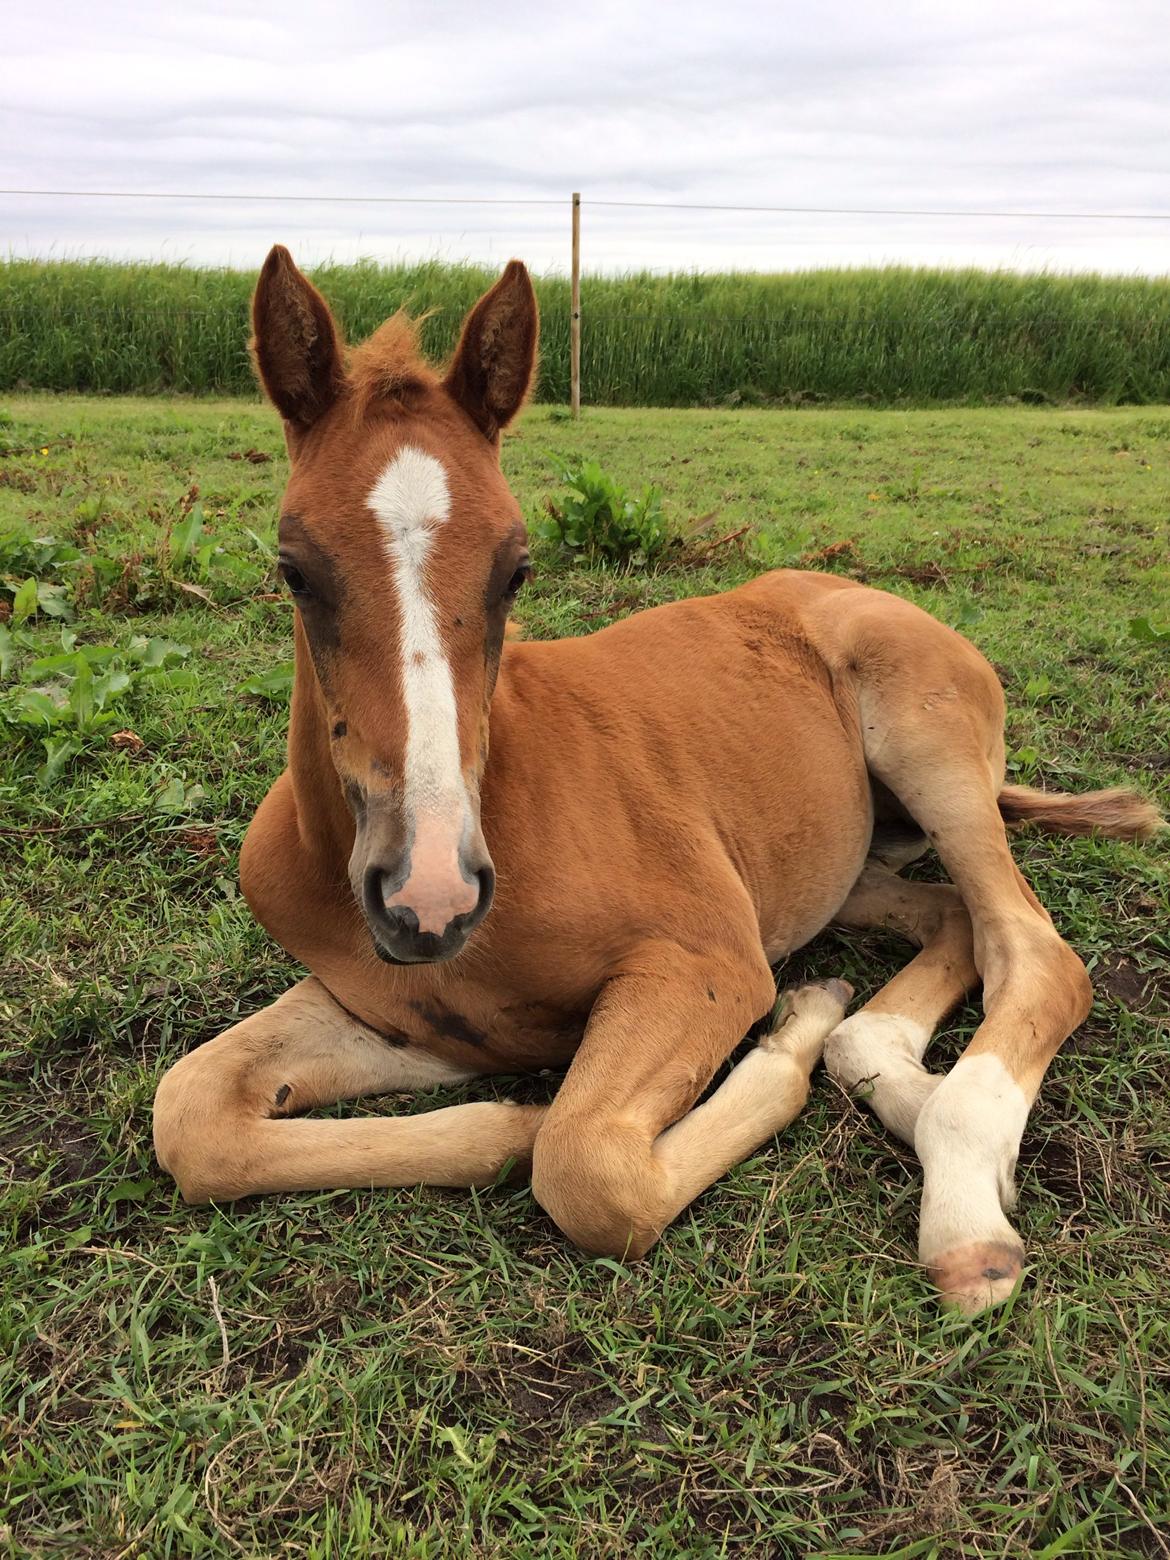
x,y
893,336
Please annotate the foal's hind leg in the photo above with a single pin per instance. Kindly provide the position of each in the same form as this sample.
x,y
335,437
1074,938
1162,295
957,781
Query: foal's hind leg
x,y
877,1052
933,735
220,1124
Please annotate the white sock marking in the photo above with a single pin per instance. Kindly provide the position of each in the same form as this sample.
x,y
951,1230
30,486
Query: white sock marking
x,y
878,1058
411,500
968,1136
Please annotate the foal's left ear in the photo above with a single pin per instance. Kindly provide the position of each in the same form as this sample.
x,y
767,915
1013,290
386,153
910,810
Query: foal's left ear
x,y
496,356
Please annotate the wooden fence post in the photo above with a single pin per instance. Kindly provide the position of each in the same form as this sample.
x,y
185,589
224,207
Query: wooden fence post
x,y
575,316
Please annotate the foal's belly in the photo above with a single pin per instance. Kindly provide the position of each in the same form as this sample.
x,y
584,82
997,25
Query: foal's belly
x,y
814,883
807,818
823,890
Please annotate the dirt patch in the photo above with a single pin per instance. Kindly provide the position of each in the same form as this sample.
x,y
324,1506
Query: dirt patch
x,y
1147,763
70,1151
1141,991
58,1132
280,1359
1056,1164
19,481
924,574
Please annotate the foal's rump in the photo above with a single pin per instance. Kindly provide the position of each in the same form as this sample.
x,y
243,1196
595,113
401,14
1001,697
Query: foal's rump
x,y
901,659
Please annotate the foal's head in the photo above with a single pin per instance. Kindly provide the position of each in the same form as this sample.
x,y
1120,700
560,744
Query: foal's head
x,y
404,550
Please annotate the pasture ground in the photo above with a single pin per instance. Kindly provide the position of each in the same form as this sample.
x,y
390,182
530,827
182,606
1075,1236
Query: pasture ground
x,y
433,1374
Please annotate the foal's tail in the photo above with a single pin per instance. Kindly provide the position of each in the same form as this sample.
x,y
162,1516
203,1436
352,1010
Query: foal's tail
x,y
1118,813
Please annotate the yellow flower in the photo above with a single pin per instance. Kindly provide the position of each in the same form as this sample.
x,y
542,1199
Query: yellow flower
x,y
44,449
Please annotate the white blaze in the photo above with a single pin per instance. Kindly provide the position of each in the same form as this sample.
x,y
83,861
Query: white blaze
x,y
411,501
967,1136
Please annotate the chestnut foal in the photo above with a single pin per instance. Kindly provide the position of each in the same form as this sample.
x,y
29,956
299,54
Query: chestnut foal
x,y
670,807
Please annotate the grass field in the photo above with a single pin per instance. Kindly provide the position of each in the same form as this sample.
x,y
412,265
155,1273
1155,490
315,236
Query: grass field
x,y
428,1374
869,336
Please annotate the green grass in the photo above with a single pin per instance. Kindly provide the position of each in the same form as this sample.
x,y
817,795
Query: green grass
x,y
436,1374
895,335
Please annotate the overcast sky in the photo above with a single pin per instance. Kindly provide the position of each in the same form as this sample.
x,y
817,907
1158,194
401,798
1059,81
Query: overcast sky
x,y
1032,105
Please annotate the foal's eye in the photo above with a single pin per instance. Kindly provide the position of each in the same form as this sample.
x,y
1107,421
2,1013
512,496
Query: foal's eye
x,y
521,577
295,580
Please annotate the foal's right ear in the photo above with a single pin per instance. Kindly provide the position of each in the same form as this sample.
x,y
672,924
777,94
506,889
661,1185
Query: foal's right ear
x,y
295,343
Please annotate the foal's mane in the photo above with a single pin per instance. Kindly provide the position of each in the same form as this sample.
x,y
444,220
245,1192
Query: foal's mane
x,y
389,365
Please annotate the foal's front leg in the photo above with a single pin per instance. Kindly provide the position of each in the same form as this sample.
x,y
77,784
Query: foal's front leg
x,y
220,1114
603,1165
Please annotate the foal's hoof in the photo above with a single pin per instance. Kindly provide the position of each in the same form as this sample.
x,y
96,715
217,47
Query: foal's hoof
x,y
819,1000
805,1018
973,1278
839,992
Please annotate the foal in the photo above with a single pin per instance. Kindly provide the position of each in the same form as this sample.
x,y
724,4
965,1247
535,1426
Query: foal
x,y
670,806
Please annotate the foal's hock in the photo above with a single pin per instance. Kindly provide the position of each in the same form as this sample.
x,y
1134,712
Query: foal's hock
x,y
499,856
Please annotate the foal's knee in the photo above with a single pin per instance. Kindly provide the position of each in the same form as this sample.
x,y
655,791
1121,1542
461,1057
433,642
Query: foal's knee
x,y
198,1138
1076,987
598,1182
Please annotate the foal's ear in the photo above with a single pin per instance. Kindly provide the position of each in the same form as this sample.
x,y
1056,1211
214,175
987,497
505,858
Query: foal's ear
x,y
295,342
494,361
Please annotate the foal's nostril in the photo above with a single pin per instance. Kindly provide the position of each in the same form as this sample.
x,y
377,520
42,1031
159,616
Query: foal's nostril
x,y
400,919
374,892
486,877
